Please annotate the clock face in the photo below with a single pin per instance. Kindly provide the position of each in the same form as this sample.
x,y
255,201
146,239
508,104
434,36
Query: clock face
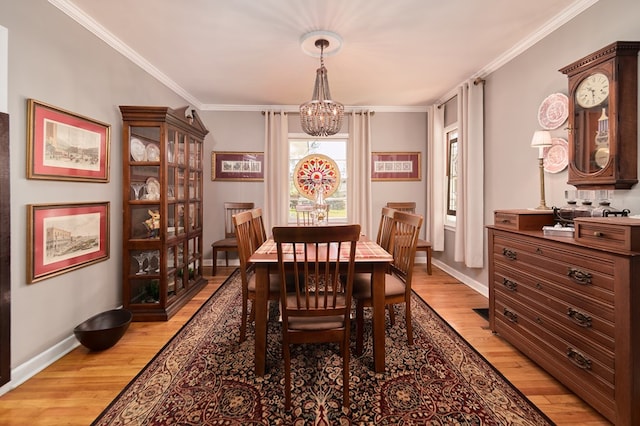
x,y
593,90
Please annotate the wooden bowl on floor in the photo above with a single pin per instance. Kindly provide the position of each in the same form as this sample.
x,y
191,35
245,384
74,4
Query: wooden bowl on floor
x,y
103,330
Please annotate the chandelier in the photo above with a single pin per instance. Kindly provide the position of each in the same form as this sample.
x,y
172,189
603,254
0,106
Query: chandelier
x,y
321,116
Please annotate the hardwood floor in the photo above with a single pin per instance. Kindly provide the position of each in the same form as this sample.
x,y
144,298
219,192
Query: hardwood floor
x,y
75,389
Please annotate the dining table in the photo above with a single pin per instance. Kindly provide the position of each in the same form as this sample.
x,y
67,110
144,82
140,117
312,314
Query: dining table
x,y
370,258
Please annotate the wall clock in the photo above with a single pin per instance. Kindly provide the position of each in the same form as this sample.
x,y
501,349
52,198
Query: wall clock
x,y
603,117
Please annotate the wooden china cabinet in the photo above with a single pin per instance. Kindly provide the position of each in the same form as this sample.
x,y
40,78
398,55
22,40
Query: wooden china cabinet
x,y
162,209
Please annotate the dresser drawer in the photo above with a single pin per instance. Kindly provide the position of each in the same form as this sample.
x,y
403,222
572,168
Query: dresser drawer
x,y
587,274
554,333
522,220
609,232
579,314
592,388
590,366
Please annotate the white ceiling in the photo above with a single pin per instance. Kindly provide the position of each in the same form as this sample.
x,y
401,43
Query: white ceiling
x,y
246,54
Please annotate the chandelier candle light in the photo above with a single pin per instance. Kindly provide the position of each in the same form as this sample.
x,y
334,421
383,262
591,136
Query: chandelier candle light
x,y
321,116
541,140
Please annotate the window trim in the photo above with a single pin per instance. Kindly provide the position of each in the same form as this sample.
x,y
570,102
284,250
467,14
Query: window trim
x,y
450,220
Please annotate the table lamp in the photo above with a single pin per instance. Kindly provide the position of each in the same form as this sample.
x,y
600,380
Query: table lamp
x,y
541,139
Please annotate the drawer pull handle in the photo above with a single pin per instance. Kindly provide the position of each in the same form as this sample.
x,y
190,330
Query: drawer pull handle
x,y
582,319
539,320
598,234
579,359
580,277
539,286
511,316
509,254
538,250
506,221
510,285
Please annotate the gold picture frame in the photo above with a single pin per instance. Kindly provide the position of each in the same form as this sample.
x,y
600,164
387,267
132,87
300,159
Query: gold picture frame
x,y
64,237
63,145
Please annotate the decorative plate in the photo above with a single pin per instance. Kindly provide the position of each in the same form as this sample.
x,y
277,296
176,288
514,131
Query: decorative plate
x,y
138,151
153,152
553,111
556,157
314,170
153,189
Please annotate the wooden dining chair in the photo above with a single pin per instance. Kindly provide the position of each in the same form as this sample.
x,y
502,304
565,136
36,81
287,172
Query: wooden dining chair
x,y
385,228
229,242
260,234
320,261
303,214
423,245
244,228
397,283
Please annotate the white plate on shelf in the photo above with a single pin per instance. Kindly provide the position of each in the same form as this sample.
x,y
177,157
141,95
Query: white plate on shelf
x,y
153,152
153,189
138,150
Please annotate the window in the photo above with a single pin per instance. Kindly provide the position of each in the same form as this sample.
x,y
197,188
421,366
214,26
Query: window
x,y
452,172
334,148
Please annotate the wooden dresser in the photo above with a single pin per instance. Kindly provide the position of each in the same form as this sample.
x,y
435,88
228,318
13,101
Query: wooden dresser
x,y
572,304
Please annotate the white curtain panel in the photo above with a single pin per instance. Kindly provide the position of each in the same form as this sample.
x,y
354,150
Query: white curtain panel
x,y
359,166
469,239
436,179
276,173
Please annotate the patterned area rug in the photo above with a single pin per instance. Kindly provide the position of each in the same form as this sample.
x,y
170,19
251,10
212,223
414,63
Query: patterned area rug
x,y
203,376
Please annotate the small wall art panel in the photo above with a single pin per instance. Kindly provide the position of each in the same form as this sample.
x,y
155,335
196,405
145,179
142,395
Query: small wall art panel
x,y
237,166
396,166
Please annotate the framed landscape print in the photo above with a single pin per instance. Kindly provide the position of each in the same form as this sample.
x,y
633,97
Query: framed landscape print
x,y
62,145
64,237
237,166
396,166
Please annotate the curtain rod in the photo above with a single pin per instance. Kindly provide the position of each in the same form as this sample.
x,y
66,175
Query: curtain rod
x,y
477,81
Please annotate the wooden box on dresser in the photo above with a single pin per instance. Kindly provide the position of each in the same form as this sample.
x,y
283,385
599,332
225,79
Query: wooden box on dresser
x,y
162,210
572,305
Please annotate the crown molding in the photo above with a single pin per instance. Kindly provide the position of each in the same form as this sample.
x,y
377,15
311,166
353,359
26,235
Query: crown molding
x,y
67,7
556,22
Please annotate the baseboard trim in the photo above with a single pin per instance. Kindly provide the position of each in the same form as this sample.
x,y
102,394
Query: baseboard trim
x,y
27,370
464,279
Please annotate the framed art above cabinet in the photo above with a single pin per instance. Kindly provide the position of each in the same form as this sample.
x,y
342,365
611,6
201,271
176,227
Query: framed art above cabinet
x,y
603,117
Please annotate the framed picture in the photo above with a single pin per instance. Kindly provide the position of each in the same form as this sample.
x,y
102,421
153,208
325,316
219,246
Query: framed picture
x,y
396,166
62,145
237,166
64,237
